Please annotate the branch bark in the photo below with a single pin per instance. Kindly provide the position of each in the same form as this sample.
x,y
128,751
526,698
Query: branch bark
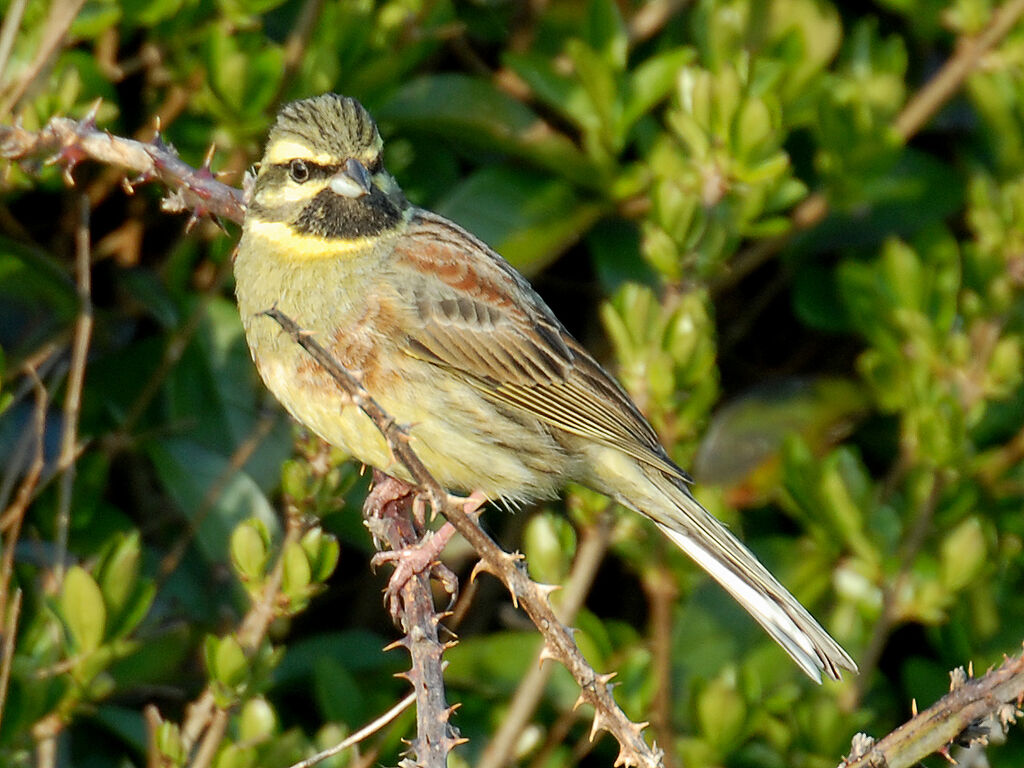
x,y
998,694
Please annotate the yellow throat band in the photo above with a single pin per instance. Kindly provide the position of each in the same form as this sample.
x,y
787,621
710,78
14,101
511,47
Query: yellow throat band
x,y
296,246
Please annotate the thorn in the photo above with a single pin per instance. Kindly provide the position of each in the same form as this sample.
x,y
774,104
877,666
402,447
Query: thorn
x,y
547,589
944,751
970,669
404,676
598,725
957,678
580,701
89,121
127,186
638,728
913,707
208,161
482,567
400,643
546,654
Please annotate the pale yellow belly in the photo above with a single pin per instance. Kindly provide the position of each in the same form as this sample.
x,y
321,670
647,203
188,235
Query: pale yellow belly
x,y
462,439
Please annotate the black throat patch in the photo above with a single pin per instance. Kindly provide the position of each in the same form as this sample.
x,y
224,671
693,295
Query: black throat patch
x,y
333,216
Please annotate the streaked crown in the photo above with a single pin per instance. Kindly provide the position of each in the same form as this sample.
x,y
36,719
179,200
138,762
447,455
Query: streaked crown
x,y
324,129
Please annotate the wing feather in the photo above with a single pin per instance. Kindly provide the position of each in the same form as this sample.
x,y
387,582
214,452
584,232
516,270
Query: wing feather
x,y
476,316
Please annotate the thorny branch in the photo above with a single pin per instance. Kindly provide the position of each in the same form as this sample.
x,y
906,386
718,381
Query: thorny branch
x,y
388,516
68,142
205,722
558,641
954,719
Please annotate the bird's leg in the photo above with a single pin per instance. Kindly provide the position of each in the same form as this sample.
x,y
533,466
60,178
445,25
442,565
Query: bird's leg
x,y
387,512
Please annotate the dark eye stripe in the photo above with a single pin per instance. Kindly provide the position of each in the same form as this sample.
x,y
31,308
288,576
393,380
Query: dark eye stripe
x,y
315,171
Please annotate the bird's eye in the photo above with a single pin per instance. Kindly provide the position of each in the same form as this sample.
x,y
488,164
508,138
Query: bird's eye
x,y
299,171
375,165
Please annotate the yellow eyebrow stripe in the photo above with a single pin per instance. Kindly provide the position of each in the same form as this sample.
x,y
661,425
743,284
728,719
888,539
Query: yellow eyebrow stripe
x,y
283,150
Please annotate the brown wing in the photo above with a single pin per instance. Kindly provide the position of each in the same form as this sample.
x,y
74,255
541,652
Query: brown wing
x,y
477,316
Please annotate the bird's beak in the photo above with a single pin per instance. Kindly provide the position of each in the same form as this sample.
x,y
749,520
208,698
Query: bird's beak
x,y
351,181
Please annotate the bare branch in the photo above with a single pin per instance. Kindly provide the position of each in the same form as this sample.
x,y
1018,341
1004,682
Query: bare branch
x,y
367,730
73,391
68,142
387,511
591,552
997,693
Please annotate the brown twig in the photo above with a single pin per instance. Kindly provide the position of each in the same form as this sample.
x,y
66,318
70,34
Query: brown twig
x,y
997,693
12,21
915,114
73,390
388,516
204,720
363,733
62,14
15,514
68,142
662,591
558,641
10,634
911,546
212,737
651,17
499,749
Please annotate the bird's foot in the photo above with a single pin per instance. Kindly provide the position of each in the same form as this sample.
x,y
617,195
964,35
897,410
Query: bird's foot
x,y
415,560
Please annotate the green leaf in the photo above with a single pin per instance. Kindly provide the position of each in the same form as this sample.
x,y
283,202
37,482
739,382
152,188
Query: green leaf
x,y
94,18
36,296
528,218
481,116
118,572
322,551
296,575
188,471
554,89
147,13
606,33
226,661
601,130
337,693
549,544
257,721
651,82
244,70
81,604
721,711
250,549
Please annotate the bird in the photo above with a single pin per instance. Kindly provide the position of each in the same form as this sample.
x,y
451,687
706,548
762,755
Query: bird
x,y
496,397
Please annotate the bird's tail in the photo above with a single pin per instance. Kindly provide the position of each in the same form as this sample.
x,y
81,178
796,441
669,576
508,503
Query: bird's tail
x,y
695,531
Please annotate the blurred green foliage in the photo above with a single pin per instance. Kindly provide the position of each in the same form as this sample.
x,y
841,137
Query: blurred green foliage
x,y
646,163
